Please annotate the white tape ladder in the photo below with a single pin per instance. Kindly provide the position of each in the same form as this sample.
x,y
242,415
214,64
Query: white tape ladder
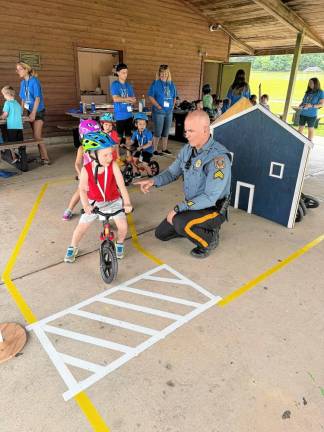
x,y
62,361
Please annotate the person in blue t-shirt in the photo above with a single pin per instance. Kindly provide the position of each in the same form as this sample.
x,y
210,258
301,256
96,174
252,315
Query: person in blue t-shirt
x,y
124,97
162,94
32,100
12,113
239,88
141,143
312,101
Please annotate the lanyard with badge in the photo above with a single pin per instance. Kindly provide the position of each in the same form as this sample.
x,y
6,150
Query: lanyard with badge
x,y
124,94
166,94
141,144
27,96
105,183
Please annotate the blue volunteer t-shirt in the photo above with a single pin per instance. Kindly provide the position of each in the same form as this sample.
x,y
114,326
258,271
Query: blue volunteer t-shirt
x,y
234,95
14,110
30,89
314,99
122,110
164,92
143,138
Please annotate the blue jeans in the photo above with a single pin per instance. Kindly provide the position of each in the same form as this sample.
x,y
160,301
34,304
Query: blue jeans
x,y
162,122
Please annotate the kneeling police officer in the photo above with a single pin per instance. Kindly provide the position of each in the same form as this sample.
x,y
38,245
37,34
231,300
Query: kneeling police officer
x,y
206,169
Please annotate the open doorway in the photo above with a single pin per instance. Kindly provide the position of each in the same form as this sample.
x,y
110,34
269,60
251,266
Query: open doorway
x,y
96,72
211,70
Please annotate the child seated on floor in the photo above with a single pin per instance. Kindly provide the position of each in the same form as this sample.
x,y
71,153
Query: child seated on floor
x,y
142,145
218,105
101,185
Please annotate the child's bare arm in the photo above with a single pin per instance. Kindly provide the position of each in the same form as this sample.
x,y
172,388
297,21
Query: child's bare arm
x,y
83,187
78,164
149,144
4,115
121,186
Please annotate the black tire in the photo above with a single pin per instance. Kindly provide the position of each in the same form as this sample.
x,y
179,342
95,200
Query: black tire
x,y
128,174
310,201
155,168
303,206
300,214
108,261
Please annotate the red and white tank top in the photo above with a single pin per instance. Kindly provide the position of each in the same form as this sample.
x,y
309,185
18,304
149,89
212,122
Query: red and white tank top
x,y
106,189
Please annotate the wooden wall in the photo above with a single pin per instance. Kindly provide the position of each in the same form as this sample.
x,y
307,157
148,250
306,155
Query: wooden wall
x,y
149,32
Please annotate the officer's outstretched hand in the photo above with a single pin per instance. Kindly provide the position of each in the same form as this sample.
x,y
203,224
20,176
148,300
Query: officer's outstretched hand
x,y
145,185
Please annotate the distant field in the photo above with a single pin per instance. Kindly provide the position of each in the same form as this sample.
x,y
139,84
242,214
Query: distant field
x,y
275,84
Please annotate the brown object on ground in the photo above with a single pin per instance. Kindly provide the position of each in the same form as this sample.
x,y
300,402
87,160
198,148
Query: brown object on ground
x,y
14,339
239,106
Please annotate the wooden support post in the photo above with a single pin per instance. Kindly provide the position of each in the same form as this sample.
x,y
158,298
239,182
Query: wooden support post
x,y
293,73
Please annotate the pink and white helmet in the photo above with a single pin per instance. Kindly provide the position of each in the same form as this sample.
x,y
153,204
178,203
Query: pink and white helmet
x,y
87,126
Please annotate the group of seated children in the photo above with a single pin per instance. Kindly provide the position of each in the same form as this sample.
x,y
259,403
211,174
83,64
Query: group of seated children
x,y
101,182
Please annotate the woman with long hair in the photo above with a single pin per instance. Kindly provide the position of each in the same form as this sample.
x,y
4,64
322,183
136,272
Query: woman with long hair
x,y
312,101
32,100
239,88
162,95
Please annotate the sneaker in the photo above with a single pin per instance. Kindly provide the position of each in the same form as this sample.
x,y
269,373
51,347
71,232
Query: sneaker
x,y
67,215
14,161
71,254
156,153
166,151
119,250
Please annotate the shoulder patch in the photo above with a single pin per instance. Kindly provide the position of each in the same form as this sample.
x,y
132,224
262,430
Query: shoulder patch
x,y
190,203
219,175
219,162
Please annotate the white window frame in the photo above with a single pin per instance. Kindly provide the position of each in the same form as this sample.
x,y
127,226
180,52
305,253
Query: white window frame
x,y
240,184
282,167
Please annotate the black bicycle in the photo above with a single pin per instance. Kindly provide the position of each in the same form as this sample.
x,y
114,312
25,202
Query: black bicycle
x,y
107,251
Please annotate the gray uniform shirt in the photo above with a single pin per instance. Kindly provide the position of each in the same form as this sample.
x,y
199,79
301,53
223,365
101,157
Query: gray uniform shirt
x,y
206,179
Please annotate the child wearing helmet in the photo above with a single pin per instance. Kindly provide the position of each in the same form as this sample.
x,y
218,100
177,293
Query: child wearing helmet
x,y
142,141
85,126
107,122
101,185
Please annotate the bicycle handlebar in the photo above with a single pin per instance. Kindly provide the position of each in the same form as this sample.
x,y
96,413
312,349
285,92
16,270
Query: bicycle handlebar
x,y
106,215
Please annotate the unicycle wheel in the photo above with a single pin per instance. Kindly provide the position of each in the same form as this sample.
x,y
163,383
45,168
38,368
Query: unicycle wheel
x,y
155,168
108,261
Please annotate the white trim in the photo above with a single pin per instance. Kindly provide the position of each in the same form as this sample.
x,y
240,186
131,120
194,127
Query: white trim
x,y
282,168
62,360
87,339
114,322
232,161
77,388
265,111
139,308
298,188
56,359
251,194
160,296
79,363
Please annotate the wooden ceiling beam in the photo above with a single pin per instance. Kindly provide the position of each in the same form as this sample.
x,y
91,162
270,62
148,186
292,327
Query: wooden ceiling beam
x,y
288,17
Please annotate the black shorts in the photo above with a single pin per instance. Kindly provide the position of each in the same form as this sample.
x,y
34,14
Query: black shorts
x,y
40,115
124,127
146,156
15,135
309,120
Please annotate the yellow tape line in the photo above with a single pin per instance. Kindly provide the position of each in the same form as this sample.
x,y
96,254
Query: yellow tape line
x,y
251,284
137,244
82,399
90,411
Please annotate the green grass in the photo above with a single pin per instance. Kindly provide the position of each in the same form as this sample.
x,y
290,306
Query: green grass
x,y
275,84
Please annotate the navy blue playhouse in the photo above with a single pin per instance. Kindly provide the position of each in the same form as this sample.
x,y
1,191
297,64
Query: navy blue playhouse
x,y
269,162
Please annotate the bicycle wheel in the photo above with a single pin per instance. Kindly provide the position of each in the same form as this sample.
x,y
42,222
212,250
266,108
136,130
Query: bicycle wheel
x,y
310,201
155,168
108,261
128,174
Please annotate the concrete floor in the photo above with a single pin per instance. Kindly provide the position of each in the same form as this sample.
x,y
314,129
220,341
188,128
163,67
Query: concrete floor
x,y
255,365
